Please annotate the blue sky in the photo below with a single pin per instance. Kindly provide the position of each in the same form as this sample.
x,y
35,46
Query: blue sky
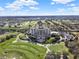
x,y
38,7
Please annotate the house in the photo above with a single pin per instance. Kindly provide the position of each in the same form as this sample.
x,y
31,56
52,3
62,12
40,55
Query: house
x,y
2,24
11,24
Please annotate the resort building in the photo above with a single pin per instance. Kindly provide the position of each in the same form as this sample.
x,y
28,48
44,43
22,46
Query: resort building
x,y
40,31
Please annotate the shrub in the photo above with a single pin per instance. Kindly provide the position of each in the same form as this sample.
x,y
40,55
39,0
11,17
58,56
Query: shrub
x,y
50,40
7,36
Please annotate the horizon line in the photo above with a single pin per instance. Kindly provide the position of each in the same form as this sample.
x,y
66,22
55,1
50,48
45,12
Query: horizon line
x,y
36,15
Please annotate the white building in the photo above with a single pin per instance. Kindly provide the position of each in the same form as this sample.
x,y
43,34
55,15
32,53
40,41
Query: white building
x,y
40,31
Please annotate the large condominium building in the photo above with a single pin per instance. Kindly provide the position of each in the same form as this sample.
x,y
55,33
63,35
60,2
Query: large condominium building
x,y
40,31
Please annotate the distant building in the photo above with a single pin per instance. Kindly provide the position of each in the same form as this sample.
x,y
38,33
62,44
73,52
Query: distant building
x,y
11,24
2,24
40,31
74,27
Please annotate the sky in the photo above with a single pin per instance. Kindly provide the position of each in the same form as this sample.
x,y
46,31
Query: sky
x,y
38,7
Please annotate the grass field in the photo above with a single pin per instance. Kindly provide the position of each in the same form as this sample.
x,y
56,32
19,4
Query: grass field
x,y
21,50
58,48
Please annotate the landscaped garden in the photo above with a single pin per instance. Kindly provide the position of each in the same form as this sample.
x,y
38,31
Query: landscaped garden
x,y
21,50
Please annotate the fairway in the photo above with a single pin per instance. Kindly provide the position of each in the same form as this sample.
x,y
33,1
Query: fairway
x,y
21,50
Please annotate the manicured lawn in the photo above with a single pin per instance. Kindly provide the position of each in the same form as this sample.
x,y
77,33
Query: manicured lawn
x,y
25,50
26,24
58,48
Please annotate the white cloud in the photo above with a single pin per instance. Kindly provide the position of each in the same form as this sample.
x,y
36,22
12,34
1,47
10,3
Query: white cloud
x,y
34,8
62,1
68,11
52,3
60,10
1,9
75,9
72,5
18,4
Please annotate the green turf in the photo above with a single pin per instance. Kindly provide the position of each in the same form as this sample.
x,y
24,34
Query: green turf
x,y
58,48
27,50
